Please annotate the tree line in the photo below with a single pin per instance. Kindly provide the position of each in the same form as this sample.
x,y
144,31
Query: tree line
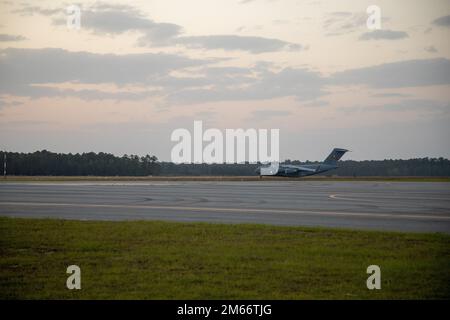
x,y
105,164
46,163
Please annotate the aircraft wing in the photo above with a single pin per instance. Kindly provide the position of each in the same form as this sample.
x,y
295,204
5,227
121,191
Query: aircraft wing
x,y
300,168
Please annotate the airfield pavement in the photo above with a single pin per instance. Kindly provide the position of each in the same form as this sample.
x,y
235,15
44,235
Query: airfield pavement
x,y
396,206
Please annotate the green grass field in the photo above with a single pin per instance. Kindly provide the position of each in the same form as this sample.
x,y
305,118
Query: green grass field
x,y
164,260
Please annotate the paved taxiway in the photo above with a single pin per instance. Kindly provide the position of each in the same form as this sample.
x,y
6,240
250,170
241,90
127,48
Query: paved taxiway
x,y
402,206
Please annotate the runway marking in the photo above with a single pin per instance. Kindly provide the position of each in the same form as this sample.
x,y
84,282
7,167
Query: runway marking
x,y
338,197
240,210
379,198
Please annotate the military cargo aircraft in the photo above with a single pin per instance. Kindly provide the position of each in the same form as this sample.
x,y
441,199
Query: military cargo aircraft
x,y
285,170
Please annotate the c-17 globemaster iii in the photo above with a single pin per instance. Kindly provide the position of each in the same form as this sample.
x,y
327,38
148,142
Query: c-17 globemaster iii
x,y
285,170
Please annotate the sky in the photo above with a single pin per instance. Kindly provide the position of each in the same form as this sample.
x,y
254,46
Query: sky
x,y
137,70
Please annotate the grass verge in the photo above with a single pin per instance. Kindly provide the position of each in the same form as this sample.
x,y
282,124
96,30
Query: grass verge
x,y
166,260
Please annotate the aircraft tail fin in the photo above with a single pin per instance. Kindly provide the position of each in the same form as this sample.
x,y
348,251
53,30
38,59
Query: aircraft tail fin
x,y
335,155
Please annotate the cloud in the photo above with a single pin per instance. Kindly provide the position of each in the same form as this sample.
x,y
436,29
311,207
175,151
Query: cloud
x,y
411,73
383,35
103,18
31,10
37,73
114,22
5,103
262,115
343,22
390,95
424,105
442,21
302,84
11,38
315,104
233,42
162,34
111,19
427,105
430,49
22,69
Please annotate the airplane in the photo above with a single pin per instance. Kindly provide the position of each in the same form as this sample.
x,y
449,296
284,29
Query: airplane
x,y
284,170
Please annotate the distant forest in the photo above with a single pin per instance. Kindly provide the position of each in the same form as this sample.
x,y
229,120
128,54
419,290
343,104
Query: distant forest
x,y
104,164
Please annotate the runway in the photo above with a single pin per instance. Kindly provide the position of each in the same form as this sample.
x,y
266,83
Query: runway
x,y
399,206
